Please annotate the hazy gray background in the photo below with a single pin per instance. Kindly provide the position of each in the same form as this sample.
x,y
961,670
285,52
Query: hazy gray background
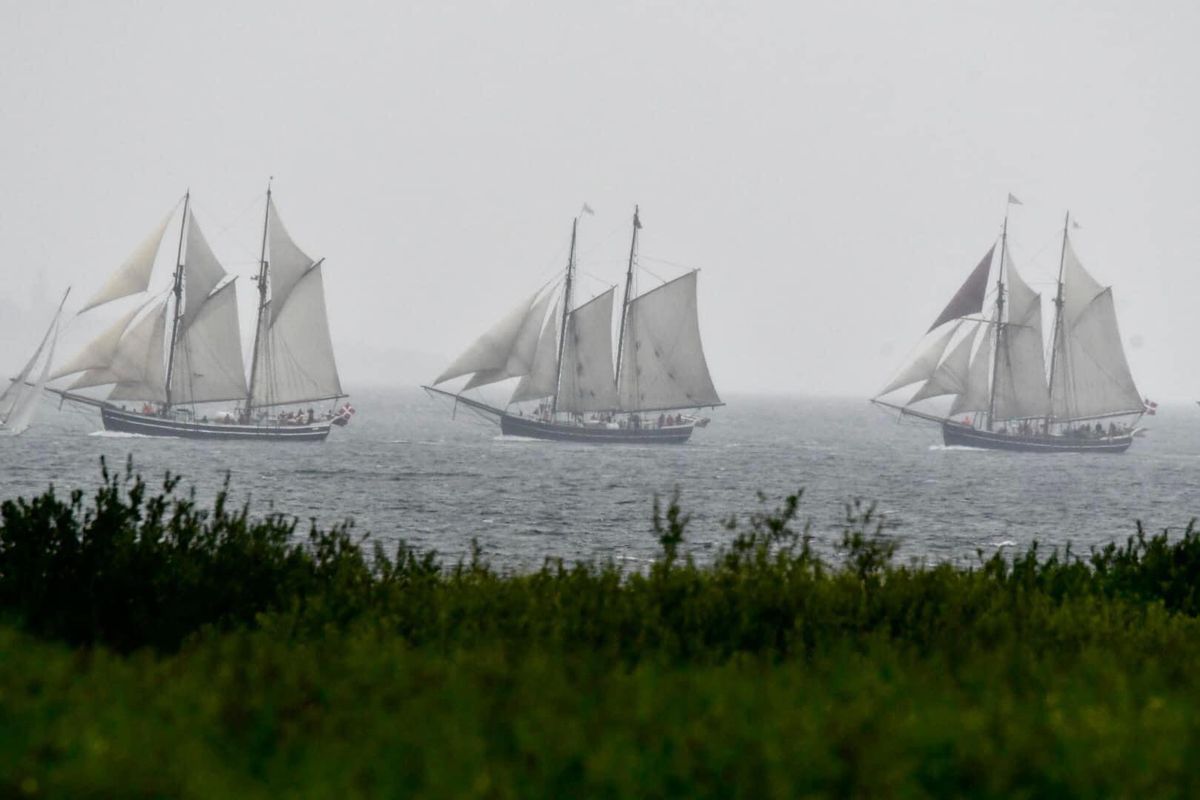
x,y
835,169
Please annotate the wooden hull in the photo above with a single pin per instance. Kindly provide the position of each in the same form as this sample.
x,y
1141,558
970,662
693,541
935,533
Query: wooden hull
x,y
959,435
116,419
511,425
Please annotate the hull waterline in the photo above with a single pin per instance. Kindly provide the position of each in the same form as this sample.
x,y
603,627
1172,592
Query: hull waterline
x,y
118,420
958,435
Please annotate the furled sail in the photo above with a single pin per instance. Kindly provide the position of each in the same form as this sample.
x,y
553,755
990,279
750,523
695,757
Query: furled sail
x,y
519,360
662,363
540,382
296,359
977,396
208,352
133,276
1021,390
201,269
586,382
969,297
1092,377
950,377
922,367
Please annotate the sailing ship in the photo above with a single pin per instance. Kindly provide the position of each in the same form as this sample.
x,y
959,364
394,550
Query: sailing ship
x,y
993,368
18,401
181,347
563,360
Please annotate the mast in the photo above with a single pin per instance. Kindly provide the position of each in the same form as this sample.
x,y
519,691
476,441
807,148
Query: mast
x,y
562,337
178,296
999,322
1058,310
637,226
262,300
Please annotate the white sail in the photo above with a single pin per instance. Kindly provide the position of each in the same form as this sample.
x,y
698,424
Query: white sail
x,y
296,361
1092,376
101,351
950,377
133,276
540,382
139,367
18,401
520,357
208,352
201,269
662,363
1021,390
490,351
288,263
586,382
977,396
922,367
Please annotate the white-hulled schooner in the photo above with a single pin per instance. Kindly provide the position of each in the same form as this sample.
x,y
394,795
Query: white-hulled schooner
x,y
994,371
181,347
564,362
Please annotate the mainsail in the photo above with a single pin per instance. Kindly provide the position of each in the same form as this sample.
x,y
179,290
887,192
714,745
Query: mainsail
x,y
293,357
662,363
1020,370
208,353
1091,375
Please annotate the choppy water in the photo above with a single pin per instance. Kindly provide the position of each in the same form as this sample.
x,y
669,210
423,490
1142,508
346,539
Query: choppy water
x,y
405,469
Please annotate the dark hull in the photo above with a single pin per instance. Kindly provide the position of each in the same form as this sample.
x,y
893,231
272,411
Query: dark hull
x,y
534,429
958,435
130,422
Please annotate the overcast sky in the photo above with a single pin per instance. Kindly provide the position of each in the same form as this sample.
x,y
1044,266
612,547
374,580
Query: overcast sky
x,y
834,169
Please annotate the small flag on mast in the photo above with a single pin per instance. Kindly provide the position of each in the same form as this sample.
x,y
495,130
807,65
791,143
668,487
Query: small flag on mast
x,y
1075,225
1013,201
586,209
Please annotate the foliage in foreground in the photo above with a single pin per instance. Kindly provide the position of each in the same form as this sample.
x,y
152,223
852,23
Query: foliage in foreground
x,y
278,665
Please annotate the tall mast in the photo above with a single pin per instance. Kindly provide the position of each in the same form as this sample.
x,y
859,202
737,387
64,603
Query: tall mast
x,y
1000,332
262,299
178,295
562,335
637,226
1058,312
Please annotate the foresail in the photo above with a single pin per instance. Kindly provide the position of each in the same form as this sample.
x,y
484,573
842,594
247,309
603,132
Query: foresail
x,y
490,351
950,377
138,366
969,297
208,354
519,360
201,269
1021,390
296,361
19,400
133,276
587,382
662,363
101,351
540,382
922,367
976,397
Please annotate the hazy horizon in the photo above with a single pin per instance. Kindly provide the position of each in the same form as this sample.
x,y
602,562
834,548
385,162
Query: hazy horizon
x,y
834,170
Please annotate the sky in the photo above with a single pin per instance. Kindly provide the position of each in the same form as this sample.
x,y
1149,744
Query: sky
x,y
834,169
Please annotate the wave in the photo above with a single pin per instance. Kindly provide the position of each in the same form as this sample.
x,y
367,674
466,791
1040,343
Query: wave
x,y
118,435
957,448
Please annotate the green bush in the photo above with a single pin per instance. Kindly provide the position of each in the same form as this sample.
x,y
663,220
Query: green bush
x,y
269,665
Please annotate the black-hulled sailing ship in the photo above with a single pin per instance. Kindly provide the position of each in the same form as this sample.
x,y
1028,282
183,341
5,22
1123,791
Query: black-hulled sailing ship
x,y
993,368
179,349
568,387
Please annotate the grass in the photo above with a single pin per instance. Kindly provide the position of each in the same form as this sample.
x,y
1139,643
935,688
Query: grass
x,y
152,648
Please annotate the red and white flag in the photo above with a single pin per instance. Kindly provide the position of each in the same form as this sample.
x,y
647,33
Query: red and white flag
x,y
1150,406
